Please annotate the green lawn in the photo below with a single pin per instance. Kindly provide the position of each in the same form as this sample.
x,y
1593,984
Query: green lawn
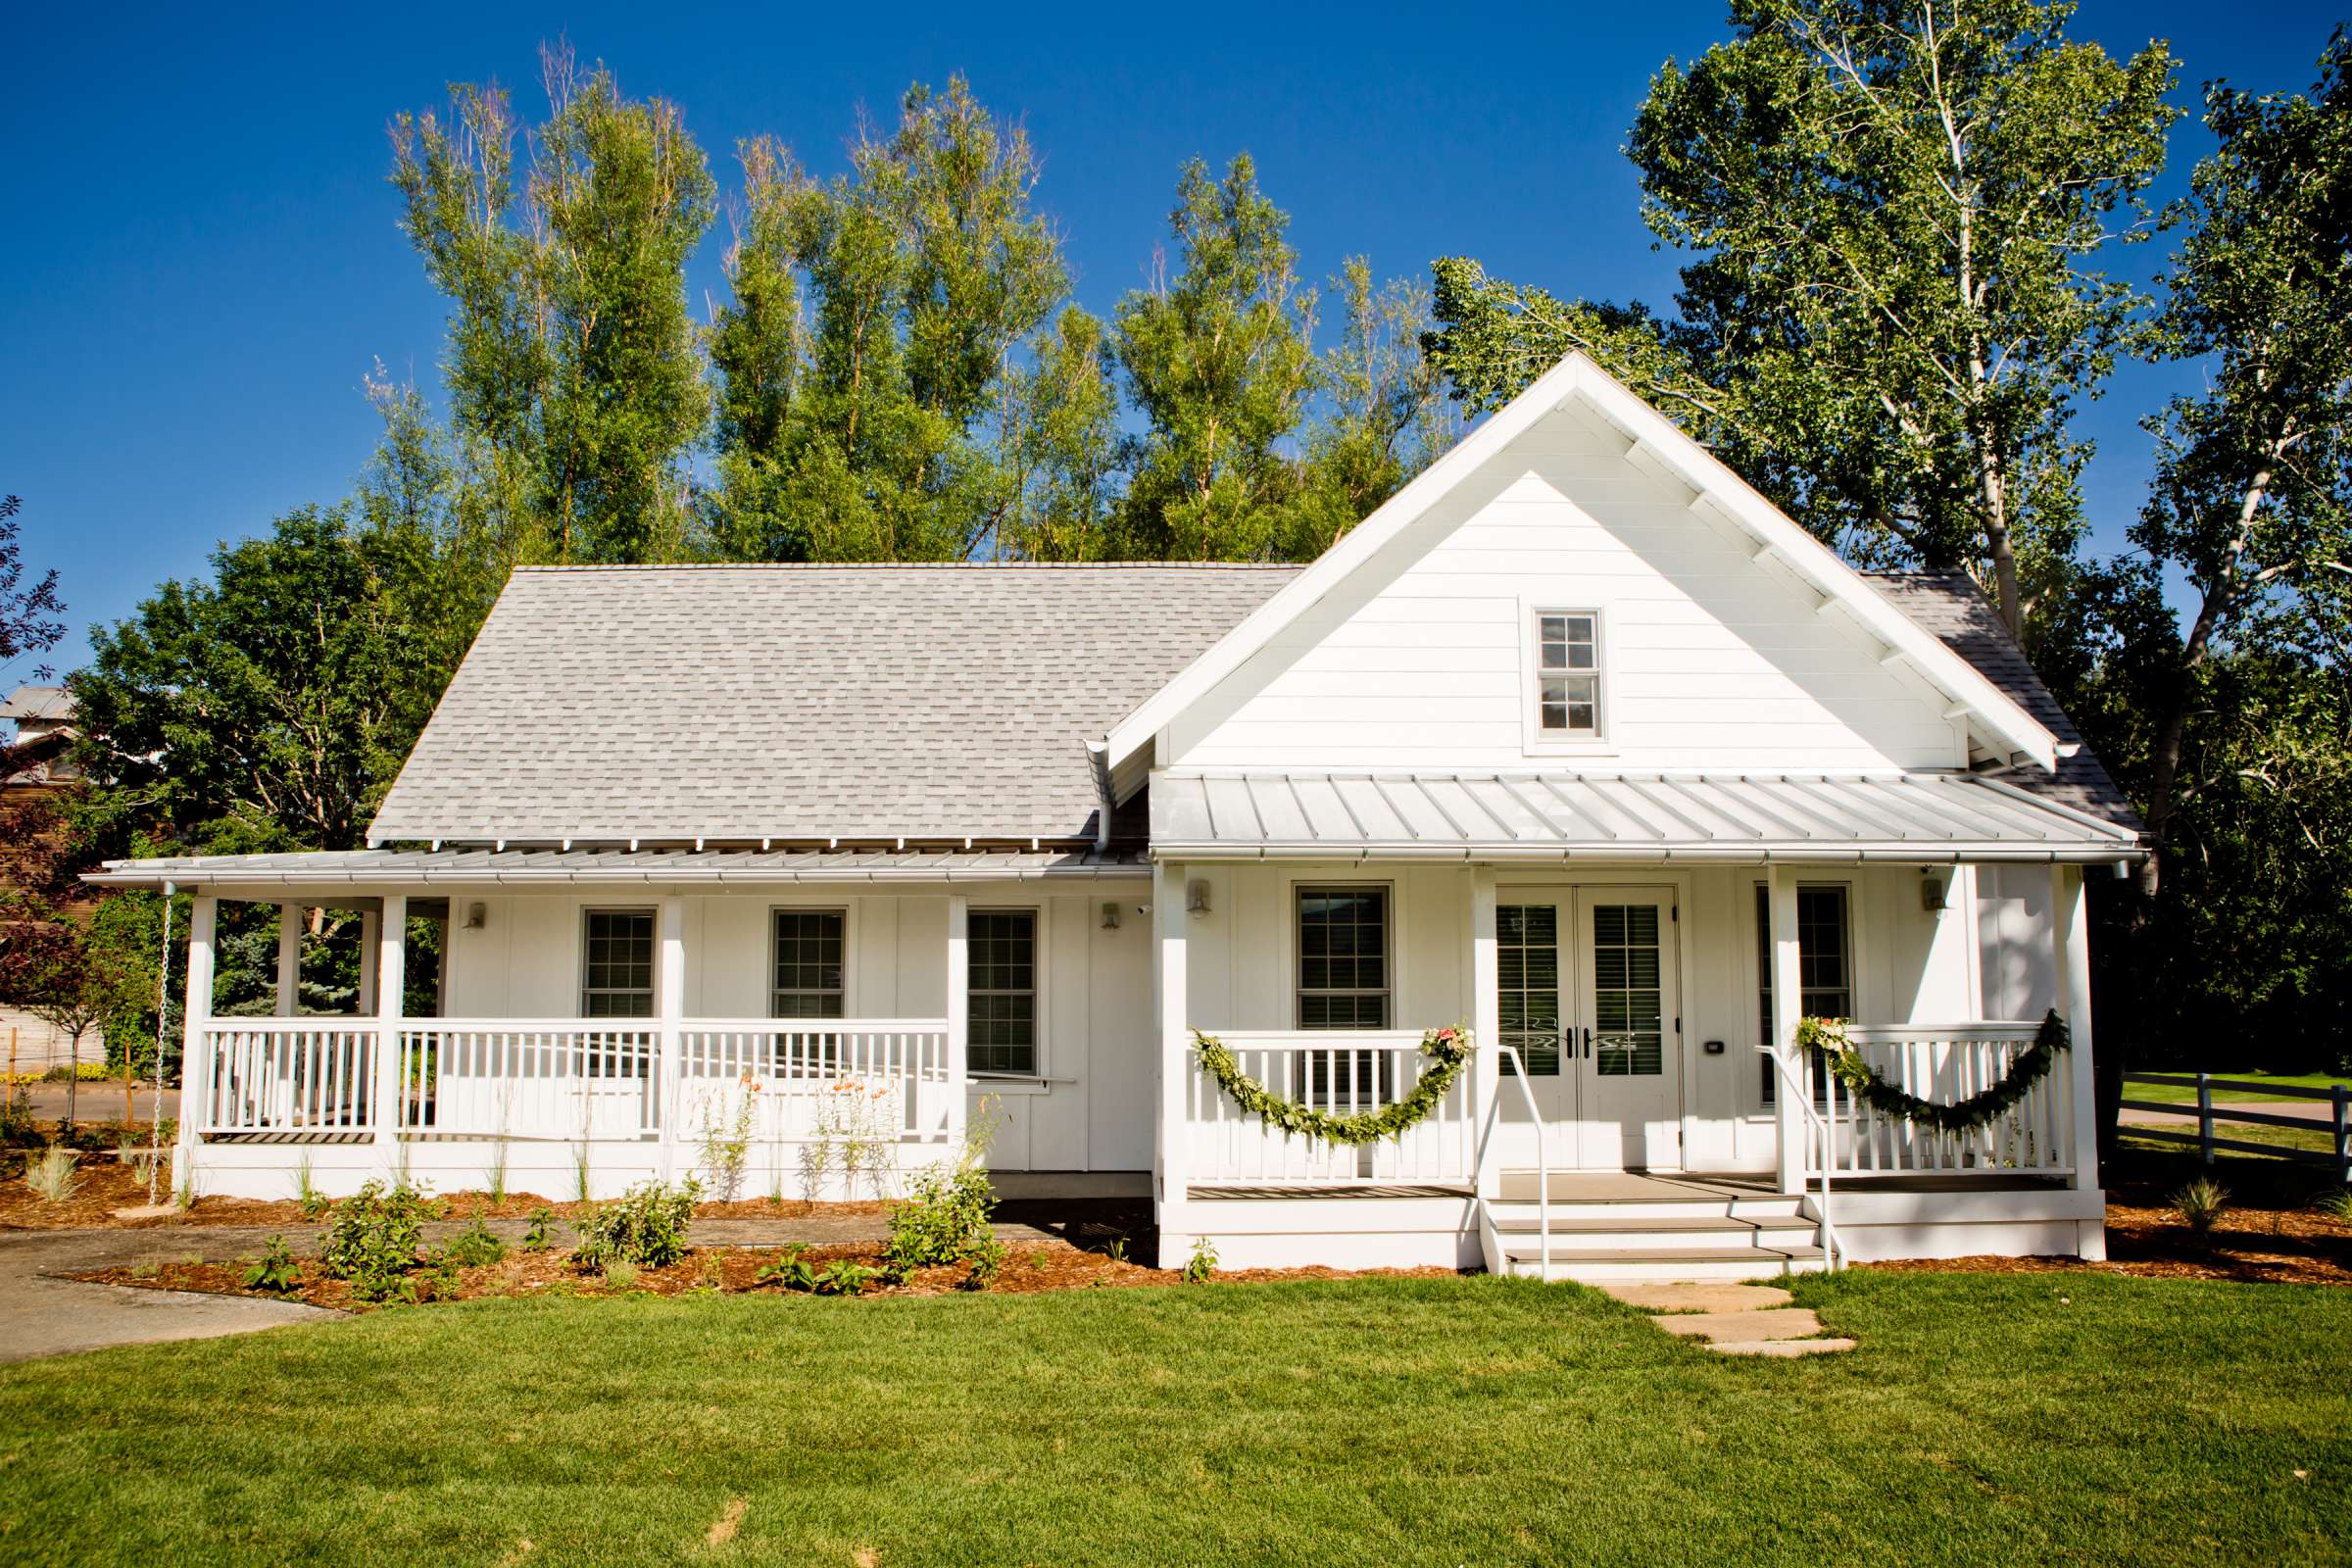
x,y
1985,1419
2305,1086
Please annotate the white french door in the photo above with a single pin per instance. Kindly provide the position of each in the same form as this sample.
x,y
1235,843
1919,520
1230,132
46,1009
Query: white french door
x,y
1588,996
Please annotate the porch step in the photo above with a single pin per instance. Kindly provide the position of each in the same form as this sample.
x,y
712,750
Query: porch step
x,y
1588,1265
1775,1207
1636,1233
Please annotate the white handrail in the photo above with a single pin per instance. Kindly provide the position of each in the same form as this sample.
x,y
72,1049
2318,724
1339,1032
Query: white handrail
x,y
1815,1122
1542,1158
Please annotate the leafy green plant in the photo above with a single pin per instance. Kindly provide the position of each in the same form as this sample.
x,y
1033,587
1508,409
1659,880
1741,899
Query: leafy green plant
x,y
844,1277
645,1226
51,1174
619,1274
988,1256
15,1118
275,1270
727,1142
1115,1248
711,1269
1202,1264
944,1218
474,1247
534,1239
372,1238
2199,1205
791,1270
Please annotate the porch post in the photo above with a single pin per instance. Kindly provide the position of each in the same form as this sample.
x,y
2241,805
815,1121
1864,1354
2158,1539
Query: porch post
x,y
960,1021
371,931
1787,1007
1485,1022
391,981
2069,936
289,959
196,1041
1169,920
670,1002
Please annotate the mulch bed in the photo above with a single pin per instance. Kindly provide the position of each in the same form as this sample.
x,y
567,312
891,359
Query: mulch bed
x,y
2249,1246
728,1270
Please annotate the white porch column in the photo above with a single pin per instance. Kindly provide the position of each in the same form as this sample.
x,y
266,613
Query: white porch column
x,y
2070,935
669,1004
289,959
196,1044
1169,923
1787,1007
959,1020
391,983
372,934
1485,1024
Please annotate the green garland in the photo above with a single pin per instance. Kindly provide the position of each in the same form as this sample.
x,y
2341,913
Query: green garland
x,y
1447,1050
1973,1114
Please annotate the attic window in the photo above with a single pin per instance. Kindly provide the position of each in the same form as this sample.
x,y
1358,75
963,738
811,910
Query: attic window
x,y
1567,673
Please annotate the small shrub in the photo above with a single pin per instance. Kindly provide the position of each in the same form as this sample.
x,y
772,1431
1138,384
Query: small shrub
x,y
372,1240
621,1274
534,1239
15,1118
2199,1205
988,1256
474,1247
275,1270
711,1269
727,1143
845,1278
1116,1249
944,1218
1202,1264
51,1174
646,1226
791,1271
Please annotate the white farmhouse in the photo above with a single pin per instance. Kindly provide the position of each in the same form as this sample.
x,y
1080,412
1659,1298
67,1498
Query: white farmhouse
x,y
1576,743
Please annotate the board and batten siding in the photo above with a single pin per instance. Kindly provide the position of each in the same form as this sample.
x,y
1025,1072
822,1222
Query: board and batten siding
x,y
1093,1109
1711,658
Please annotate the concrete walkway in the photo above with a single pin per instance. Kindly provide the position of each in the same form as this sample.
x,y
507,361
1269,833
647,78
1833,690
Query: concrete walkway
x,y
44,1316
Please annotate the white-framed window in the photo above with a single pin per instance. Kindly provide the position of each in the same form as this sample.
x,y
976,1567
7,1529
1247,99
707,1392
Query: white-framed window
x,y
1825,962
1346,980
1000,991
1565,686
617,963
808,948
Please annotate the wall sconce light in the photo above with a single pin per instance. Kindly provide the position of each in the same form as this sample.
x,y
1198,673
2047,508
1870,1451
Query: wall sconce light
x,y
1110,917
1195,896
1931,893
477,915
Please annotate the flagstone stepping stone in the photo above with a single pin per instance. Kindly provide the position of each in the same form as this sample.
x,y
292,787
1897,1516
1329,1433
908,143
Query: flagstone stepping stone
x,y
1733,1320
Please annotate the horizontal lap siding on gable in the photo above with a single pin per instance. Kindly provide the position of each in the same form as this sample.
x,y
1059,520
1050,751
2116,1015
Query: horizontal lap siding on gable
x,y
1712,660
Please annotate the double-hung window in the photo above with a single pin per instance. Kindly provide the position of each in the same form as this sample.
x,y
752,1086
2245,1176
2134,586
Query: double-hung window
x,y
1824,964
617,981
1568,692
807,983
1345,975
1001,952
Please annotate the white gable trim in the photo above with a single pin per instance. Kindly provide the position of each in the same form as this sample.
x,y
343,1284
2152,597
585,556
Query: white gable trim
x,y
1653,441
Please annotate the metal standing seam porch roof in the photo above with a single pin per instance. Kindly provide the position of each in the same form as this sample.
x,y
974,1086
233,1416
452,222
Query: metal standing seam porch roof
x,y
1553,816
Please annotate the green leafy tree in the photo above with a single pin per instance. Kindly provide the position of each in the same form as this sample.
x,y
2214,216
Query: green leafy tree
x,y
271,707
1218,362
1900,213
861,429
1064,449
574,373
1381,419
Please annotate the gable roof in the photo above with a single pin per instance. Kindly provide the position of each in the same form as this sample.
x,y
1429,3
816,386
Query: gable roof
x,y
1950,606
936,703
1660,448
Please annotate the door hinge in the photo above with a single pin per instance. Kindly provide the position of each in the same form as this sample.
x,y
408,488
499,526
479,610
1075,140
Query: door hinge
x,y
1678,914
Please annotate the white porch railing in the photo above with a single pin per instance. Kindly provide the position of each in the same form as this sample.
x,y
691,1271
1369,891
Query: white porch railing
x,y
308,1076
569,1079
1347,1072
1944,1064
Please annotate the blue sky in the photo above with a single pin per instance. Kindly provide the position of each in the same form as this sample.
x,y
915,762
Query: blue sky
x,y
203,263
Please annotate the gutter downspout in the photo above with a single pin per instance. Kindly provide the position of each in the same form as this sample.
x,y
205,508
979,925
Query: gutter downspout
x,y
1098,757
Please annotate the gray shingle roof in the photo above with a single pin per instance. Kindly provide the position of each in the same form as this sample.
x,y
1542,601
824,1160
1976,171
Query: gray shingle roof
x,y
1950,606
670,704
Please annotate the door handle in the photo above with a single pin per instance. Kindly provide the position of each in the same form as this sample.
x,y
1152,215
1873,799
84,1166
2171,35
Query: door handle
x,y
1587,1041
